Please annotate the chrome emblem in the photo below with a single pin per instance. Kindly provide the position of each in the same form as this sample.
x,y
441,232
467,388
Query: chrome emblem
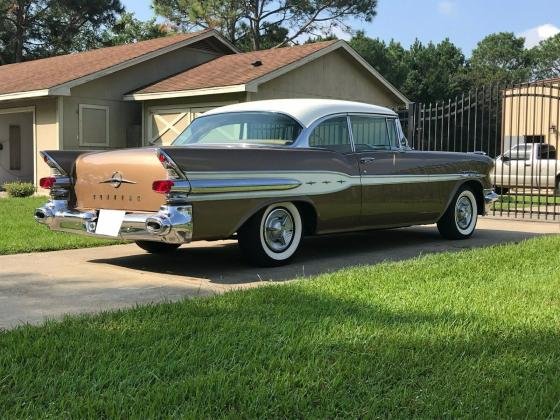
x,y
116,180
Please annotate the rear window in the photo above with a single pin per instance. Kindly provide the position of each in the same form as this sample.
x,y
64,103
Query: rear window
x,y
261,128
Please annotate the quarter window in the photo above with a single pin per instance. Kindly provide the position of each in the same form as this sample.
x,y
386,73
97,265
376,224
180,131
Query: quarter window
x,y
371,133
332,134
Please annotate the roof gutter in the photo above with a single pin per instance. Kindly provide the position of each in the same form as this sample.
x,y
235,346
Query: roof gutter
x,y
25,95
186,93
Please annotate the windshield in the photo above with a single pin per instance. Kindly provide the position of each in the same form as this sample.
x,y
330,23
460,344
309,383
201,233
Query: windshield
x,y
261,128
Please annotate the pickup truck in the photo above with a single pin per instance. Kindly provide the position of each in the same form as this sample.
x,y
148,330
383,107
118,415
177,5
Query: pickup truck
x,y
527,165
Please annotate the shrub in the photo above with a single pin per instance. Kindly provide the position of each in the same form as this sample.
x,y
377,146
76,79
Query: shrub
x,y
19,189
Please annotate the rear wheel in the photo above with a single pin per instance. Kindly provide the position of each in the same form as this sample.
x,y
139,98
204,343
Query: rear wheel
x,y
459,220
271,237
157,247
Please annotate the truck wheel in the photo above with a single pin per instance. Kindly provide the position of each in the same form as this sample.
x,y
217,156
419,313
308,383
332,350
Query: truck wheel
x,y
501,190
557,190
272,236
459,220
157,247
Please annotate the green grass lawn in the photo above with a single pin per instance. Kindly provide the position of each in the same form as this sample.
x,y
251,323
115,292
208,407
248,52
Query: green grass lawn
x,y
470,334
19,232
511,202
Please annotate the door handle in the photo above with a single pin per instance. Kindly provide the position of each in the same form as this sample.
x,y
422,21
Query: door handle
x,y
366,160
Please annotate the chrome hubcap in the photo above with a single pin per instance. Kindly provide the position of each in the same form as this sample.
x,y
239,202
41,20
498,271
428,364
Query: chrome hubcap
x,y
463,212
278,230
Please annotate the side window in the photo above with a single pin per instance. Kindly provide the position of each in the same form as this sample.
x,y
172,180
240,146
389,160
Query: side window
x,y
332,134
547,152
370,133
392,130
521,152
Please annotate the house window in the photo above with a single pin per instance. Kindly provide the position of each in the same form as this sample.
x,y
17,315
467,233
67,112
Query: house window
x,y
94,125
534,139
15,147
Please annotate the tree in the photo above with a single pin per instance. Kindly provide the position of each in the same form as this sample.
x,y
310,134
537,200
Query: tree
x,y
547,58
389,60
40,28
128,29
435,72
250,22
500,58
424,73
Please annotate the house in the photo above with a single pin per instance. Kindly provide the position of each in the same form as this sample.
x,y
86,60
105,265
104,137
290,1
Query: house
x,y
531,113
147,93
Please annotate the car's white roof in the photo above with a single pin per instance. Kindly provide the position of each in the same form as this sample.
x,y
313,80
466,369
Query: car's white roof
x,y
304,110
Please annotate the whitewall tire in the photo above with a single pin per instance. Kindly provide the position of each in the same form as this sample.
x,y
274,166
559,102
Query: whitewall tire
x,y
459,220
272,236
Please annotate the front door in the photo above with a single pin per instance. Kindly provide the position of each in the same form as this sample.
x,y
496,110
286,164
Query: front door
x,y
388,195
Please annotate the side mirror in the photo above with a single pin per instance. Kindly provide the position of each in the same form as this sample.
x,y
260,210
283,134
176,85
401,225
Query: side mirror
x,y
404,143
505,158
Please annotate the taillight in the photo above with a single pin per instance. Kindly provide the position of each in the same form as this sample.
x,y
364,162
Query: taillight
x,y
47,183
163,186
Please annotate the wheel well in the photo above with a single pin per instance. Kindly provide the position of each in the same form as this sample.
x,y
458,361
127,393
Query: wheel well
x,y
306,210
478,191
308,216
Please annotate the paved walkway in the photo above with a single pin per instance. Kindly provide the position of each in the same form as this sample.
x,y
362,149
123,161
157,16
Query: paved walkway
x,y
50,284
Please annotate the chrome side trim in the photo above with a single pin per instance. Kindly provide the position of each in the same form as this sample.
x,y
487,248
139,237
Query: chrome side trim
x,y
171,224
210,186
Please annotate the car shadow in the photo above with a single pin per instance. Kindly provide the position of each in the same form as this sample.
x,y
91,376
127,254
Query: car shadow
x,y
222,263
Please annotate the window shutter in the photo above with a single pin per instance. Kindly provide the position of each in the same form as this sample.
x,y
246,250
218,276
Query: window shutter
x,y
15,147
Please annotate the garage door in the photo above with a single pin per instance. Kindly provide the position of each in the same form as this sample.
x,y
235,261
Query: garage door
x,y
165,124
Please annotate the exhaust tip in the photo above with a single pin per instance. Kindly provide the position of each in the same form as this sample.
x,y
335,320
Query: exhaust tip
x,y
157,226
40,215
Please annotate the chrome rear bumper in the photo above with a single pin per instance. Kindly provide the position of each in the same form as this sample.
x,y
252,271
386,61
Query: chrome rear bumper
x,y
171,224
490,197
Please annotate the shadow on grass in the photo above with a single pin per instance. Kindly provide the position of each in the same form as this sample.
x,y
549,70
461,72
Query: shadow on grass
x,y
291,351
224,264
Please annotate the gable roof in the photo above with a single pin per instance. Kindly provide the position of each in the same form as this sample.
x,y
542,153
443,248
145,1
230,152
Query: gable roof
x,y
56,75
246,71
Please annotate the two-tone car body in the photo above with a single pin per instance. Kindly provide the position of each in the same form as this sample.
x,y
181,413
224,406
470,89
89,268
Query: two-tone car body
x,y
268,173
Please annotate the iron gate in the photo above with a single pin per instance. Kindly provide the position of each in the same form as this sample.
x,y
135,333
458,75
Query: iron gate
x,y
516,125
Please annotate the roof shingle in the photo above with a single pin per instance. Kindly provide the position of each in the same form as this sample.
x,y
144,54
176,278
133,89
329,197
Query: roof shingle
x,y
53,71
235,69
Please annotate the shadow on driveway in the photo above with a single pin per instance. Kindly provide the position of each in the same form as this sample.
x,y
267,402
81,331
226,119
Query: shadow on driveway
x,y
222,263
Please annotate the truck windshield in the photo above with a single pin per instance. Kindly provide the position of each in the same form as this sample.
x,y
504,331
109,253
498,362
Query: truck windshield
x,y
261,128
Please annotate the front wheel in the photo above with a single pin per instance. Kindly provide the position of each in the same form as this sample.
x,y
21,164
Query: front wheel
x,y
459,220
272,236
157,247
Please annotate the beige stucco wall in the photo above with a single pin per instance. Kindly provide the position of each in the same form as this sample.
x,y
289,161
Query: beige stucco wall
x,y
124,116
532,110
336,75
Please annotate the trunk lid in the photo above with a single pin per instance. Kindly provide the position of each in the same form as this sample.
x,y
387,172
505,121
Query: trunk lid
x,y
119,180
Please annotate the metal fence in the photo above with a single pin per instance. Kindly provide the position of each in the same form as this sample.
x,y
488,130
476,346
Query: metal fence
x,y
516,125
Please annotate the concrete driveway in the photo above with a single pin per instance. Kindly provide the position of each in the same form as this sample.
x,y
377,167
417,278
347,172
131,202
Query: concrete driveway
x,y
50,284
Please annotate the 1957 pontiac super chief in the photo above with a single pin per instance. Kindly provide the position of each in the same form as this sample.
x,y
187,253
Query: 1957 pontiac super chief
x,y
267,173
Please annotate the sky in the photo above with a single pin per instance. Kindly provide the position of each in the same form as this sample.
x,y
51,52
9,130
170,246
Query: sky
x,y
464,22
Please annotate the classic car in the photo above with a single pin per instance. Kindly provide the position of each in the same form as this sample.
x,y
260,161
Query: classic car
x,y
527,165
267,173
